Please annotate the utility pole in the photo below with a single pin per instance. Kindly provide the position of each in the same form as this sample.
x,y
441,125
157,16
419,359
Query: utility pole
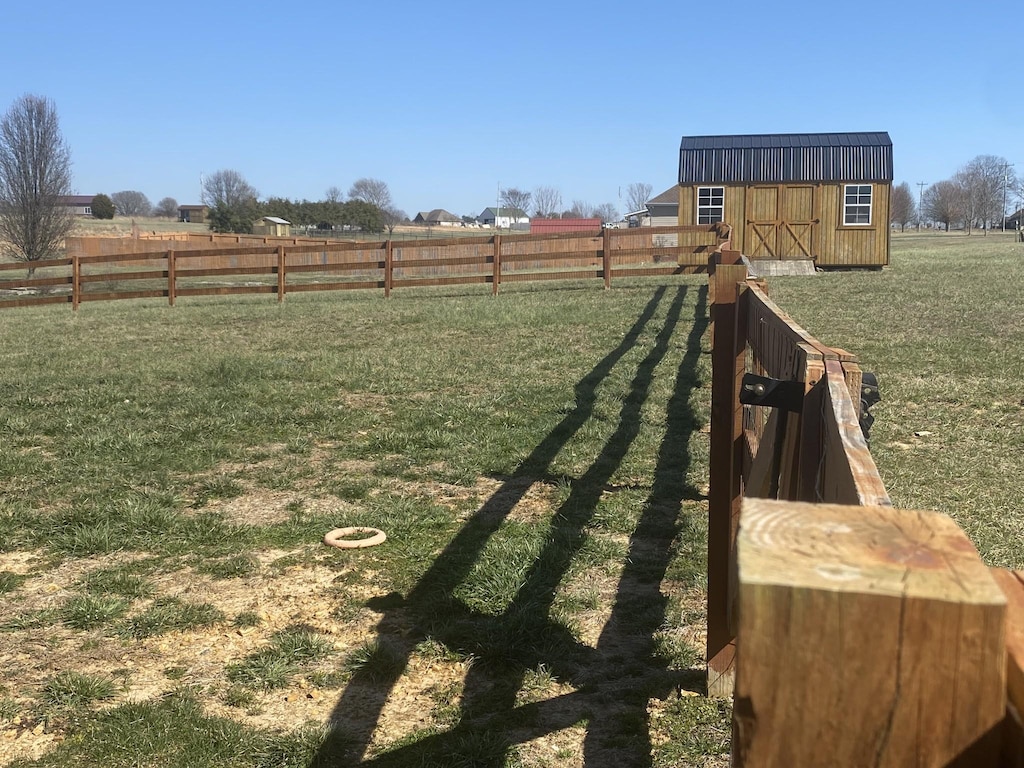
x,y
920,199
1006,179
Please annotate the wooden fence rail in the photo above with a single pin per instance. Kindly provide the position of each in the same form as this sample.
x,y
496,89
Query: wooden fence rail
x,y
848,632
182,271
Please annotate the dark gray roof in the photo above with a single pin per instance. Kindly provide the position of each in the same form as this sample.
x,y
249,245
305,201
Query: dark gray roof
x,y
670,196
774,158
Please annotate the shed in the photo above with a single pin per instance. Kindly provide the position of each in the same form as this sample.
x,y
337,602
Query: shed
x,y
272,225
820,196
551,226
194,214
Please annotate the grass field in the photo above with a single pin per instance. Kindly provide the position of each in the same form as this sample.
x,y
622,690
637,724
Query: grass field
x,y
538,461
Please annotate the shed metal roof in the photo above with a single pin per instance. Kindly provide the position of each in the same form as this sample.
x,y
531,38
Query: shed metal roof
x,y
784,157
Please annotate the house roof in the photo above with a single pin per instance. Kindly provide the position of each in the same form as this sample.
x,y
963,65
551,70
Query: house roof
x,y
76,199
192,207
492,211
438,214
774,158
669,197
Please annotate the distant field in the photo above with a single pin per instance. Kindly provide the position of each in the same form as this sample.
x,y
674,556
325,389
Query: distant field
x,y
121,226
537,459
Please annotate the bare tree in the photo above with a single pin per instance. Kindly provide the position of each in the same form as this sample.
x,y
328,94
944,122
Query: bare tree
x,y
167,207
902,208
943,202
580,209
983,183
637,195
373,191
131,203
334,195
227,188
393,217
547,201
606,212
517,200
35,174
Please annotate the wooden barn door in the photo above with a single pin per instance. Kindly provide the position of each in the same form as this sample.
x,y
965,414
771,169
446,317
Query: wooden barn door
x,y
781,222
761,238
796,223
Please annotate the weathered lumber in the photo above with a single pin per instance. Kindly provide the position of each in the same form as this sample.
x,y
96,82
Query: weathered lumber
x,y
1012,584
727,362
867,636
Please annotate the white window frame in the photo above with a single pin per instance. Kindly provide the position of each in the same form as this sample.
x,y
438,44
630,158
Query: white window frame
x,y
708,208
861,200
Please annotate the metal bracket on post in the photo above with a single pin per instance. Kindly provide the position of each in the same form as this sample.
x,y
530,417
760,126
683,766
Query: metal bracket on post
x,y
771,393
869,395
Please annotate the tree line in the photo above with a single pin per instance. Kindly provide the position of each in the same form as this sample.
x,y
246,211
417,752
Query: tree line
x,y
975,197
35,180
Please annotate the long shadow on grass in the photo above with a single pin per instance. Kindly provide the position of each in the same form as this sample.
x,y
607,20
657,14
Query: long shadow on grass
x,y
613,681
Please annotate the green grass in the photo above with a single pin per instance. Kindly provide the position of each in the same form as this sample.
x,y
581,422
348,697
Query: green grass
x,y
528,455
90,611
168,614
275,666
71,689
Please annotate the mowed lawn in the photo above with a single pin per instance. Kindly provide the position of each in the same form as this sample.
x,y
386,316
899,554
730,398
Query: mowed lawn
x,y
538,461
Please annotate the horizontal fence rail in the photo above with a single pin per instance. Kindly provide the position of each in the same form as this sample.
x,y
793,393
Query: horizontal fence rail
x,y
106,269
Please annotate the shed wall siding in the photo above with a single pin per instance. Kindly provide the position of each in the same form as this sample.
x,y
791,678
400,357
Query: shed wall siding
x,y
832,243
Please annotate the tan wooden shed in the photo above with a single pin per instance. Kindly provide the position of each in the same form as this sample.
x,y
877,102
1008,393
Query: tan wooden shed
x,y
819,196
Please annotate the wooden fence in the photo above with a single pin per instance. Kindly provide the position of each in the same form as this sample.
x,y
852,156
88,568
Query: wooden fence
x,y
849,632
180,270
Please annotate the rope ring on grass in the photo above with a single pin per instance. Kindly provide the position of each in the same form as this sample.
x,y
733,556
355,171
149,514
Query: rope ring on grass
x,y
339,538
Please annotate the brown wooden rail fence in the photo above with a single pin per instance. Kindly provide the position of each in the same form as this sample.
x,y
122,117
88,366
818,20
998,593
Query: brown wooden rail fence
x,y
850,633
180,271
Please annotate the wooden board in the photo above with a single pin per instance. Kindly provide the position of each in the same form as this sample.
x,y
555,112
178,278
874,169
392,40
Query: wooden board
x,y
866,636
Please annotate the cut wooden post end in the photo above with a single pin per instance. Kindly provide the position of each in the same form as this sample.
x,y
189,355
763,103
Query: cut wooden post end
x,y
866,636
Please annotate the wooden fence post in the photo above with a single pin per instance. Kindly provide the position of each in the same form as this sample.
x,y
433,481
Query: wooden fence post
x,y
76,282
171,280
388,256
606,257
728,360
496,279
868,636
280,274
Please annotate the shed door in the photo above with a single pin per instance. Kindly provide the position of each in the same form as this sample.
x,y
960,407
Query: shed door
x,y
780,222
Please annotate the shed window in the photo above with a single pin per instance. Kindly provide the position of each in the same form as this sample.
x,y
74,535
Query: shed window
x,y
710,204
857,207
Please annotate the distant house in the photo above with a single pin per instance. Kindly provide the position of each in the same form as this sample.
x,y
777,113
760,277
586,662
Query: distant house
x,y
504,218
438,217
80,205
550,226
1015,220
194,214
820,196
663,211
272,226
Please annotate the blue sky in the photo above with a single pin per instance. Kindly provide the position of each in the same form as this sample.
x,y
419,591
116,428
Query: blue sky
x,y
447,101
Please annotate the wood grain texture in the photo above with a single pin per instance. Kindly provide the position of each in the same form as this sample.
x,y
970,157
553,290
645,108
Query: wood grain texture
x,y
867,636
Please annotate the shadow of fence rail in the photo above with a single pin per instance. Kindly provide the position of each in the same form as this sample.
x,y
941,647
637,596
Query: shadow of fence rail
x,y
848,632
106,269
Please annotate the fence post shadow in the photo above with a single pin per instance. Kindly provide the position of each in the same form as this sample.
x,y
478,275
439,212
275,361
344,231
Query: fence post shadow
x,y
614,680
